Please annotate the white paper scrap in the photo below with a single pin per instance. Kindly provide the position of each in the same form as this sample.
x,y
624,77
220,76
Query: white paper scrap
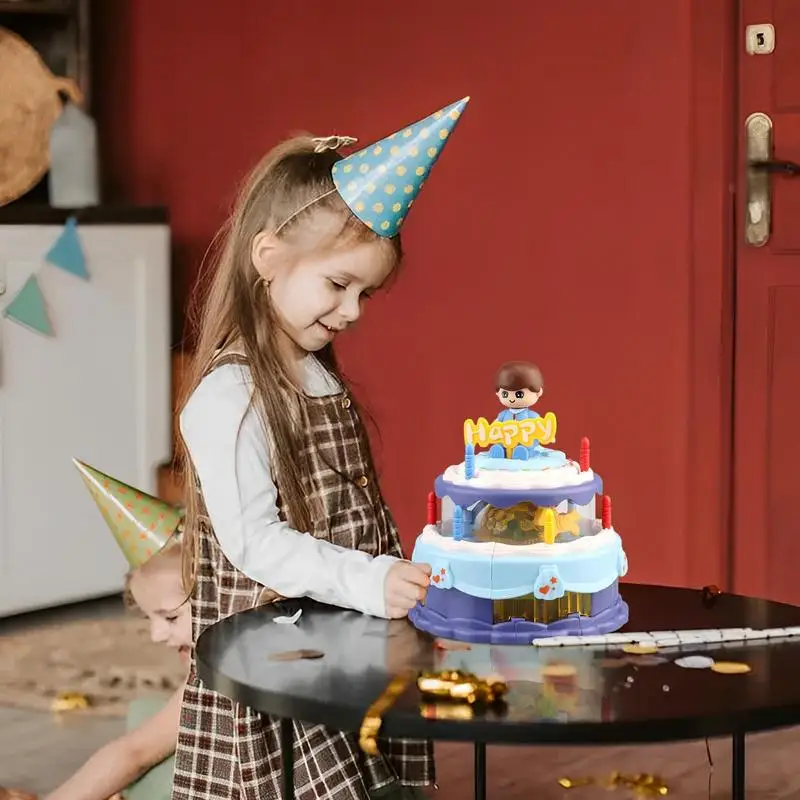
x,y
289,620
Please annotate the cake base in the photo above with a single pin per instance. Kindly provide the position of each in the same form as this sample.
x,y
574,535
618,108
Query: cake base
x,y
455,615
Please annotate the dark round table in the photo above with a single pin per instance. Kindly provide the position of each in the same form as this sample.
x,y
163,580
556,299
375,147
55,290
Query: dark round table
x,y
605,703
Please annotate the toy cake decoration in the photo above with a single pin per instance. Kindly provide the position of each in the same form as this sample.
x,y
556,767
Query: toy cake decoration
x,y
521,555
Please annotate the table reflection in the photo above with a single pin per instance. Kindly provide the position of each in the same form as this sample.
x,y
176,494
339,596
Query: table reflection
x,y
566,685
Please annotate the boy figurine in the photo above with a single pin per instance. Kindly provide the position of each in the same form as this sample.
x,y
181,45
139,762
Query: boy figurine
x,y
518,386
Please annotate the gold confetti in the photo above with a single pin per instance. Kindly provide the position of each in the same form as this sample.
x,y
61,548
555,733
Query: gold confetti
x,y
640,649
460,711
730,667
460,686
642,785
574,783
70,701
559,671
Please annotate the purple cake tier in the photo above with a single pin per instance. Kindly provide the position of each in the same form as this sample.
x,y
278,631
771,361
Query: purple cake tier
x,y
464,494
452,614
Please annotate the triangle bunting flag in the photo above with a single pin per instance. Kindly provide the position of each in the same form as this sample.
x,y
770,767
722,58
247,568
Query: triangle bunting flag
x,y
28,308
67,253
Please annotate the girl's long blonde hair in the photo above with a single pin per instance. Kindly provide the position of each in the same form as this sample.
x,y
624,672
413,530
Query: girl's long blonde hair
x,y
285,191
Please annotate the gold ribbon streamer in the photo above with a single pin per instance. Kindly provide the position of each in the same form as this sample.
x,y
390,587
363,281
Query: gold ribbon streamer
x,y
453,688
373,719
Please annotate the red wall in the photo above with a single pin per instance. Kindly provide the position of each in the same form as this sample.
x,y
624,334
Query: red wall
x,y
555,227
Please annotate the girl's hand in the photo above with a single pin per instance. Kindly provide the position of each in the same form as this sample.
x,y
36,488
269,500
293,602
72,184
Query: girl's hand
x,y
15,794
406,584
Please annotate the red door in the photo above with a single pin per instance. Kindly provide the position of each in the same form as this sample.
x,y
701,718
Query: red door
x,y
767,350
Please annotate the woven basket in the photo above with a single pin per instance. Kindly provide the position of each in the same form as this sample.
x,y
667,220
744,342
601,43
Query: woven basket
x,y
29,105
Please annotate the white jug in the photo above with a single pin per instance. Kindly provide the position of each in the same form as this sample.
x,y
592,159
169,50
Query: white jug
x,y
74,171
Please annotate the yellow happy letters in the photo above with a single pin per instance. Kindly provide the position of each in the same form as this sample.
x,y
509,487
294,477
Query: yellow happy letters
x,y
484,433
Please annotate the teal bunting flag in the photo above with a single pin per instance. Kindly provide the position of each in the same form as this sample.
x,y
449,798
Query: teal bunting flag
x,y
28,307
67,253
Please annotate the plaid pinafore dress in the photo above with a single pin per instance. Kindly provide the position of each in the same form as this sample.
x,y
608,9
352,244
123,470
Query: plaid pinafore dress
x,y
227,750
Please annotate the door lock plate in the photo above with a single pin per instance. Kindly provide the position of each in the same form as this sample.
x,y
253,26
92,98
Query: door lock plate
x,y
759,39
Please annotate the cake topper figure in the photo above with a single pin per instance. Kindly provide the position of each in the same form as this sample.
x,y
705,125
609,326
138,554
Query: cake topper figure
x,y
519,386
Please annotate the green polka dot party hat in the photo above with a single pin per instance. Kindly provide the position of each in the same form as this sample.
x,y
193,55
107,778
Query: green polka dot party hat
x,y
381,182
141,524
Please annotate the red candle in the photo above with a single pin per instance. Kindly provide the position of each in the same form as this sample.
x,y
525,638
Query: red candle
x,y
606,513
585,454
432,509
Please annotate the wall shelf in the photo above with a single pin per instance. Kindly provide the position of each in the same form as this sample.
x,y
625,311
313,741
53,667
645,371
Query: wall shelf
x,y
64,8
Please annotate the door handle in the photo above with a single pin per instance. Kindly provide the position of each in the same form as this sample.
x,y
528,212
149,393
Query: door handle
x,y
760,166
789,168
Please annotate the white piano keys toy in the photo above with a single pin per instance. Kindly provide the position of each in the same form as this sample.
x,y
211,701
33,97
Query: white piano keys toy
x,y
663,639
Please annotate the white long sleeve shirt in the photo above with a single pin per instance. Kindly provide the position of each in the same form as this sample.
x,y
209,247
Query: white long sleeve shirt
x,y
231,456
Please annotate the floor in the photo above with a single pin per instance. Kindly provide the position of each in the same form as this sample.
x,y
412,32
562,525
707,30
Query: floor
x,y
38,751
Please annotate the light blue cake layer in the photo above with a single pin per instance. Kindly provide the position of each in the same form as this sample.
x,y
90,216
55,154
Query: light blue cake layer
x,y
544,459
499,576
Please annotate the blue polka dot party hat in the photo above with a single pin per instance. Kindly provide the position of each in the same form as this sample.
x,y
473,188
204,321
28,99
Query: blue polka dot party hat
x,y
381,182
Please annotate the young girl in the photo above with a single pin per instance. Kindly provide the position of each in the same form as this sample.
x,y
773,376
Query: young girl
x,y
283,495
140,764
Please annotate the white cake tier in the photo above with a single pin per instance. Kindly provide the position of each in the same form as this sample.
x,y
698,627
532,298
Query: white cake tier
x,y
567,475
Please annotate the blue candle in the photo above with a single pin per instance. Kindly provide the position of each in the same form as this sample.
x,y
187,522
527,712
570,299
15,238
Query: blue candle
x,y
458,523
469,461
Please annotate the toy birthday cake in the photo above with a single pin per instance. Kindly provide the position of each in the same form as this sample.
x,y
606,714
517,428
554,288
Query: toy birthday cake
x,y
515,548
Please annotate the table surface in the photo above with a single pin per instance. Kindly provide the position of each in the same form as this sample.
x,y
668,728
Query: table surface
x,y
606,702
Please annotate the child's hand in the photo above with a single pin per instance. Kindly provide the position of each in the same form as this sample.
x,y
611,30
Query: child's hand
x,y
406,584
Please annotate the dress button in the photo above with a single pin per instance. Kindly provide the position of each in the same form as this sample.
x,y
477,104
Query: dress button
x,y
346,402
363,481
